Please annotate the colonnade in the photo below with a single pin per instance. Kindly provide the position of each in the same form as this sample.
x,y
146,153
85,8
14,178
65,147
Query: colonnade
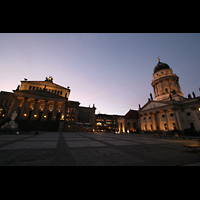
x,y
25,111
163,120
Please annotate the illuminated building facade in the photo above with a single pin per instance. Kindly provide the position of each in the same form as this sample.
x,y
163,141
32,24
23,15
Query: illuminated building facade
x,y
106,123
129,122
170,110
45,101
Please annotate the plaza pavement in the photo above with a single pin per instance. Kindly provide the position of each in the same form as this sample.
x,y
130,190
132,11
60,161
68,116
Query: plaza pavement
x,y
94,149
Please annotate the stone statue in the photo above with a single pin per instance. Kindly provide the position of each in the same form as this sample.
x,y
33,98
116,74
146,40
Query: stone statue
x,y
193,94
151,96
11,125
189,96
139,106
14,115
18,87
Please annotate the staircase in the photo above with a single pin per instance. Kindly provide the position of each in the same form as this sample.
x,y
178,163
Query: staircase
x,y
25,125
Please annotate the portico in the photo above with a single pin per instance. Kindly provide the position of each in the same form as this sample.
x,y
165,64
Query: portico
x,y
170,110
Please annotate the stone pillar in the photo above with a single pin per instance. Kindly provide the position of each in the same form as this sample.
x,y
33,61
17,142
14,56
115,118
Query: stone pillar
x,y
166,117
23,107
196,124
54,111
176,120
152,120
158,119
63,110
146,121
13,107
34,109
44,110
141,123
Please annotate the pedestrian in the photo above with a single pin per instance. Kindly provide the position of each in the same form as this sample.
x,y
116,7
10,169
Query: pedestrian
x,y
36,132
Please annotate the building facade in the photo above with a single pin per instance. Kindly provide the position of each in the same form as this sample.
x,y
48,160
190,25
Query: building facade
x,y
170,109
129,123
106,123
46,101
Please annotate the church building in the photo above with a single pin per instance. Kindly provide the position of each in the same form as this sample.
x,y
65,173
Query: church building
x,y
169,109
44,103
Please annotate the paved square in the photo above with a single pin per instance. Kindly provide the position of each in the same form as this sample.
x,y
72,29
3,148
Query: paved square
x,y
30,145
93,149
84,144
121,143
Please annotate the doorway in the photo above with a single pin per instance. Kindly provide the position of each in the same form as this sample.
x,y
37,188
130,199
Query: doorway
x,y
58,116
29,116
49,116
39,116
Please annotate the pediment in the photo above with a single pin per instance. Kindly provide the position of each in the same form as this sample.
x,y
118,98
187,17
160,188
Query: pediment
x,y
47,83
152,105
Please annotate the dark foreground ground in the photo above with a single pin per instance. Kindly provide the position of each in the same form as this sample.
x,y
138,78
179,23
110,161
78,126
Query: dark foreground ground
x,y
94,149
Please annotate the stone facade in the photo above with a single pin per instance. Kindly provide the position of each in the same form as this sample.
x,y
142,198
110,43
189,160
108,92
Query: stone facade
x,y
45,101
170,109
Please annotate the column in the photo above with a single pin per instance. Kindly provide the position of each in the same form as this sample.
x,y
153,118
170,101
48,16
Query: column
x,y
166,117
154,91
176,120
54,111
158,119
23,107
34,109
44,110
152,120
146,121
13,107
196,124
162,88
141,122
63,111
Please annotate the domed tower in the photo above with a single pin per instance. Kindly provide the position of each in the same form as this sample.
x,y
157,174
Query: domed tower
x,y
165,82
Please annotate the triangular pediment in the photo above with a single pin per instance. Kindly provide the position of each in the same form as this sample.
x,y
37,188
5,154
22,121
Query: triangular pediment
x,y
47,83
152,105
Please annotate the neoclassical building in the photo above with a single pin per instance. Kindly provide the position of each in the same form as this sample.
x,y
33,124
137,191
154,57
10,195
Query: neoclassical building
x,y
46,101
170,109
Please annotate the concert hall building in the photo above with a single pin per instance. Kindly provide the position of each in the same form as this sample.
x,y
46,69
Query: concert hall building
x,y
45,105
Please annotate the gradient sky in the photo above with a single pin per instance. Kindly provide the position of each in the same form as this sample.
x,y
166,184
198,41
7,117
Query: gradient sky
x,y
111,70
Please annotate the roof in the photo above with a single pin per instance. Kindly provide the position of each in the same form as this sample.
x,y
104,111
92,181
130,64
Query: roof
x,y
160,66
48,83
132,114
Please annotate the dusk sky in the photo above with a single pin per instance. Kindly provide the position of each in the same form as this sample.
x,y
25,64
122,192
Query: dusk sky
x,y
111,70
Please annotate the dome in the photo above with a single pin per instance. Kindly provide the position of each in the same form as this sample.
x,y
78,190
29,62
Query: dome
x,y
160,66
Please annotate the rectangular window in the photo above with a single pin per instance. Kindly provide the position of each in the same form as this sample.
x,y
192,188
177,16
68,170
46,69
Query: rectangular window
x,y
30,87
165,126
172,114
